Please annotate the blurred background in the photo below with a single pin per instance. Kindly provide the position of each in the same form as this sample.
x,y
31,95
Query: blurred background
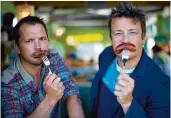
x,y
78,32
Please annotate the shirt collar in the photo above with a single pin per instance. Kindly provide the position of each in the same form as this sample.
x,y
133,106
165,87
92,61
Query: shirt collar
x,y
25,75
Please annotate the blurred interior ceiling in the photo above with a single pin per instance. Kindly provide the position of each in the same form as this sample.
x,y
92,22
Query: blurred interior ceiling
x,y
85,13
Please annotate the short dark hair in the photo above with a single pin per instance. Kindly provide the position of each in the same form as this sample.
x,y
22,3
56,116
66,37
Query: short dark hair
x,y
28,20
126,9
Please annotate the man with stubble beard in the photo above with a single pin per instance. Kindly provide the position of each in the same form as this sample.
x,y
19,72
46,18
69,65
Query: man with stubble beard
x,y
129,84
28,89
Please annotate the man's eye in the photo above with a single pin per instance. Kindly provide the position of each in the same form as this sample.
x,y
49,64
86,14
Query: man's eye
x,y
43,39
132,33
30,40
118,34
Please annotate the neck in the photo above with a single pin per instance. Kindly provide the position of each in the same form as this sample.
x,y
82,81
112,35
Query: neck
x,y
131,63
33,70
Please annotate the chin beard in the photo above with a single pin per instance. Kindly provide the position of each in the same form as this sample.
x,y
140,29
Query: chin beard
x,y
37,62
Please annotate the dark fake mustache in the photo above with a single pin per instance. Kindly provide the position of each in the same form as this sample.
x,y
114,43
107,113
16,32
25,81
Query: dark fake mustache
x,y
125,46
41,53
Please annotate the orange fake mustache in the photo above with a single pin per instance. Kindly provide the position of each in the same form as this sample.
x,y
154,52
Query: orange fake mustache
x,y
41,53
125,46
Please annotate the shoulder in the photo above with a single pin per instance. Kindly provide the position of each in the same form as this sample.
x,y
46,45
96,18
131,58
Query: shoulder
x,y
10,83
54,55
56,59
107,53
58,64
9,74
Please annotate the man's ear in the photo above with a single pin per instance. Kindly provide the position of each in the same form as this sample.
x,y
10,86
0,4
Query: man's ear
x,y
16,48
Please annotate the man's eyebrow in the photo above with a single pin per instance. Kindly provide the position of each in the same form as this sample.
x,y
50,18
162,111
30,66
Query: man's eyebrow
x,y
28,38
43,37
118,31
132,29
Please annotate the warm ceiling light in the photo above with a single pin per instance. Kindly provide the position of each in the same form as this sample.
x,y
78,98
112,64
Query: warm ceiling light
x,y
24,10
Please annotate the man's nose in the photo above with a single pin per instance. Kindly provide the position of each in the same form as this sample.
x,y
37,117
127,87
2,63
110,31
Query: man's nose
x,y
125,38
37,45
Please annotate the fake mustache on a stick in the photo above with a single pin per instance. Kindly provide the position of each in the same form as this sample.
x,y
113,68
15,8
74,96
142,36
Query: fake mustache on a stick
x,y
125,46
